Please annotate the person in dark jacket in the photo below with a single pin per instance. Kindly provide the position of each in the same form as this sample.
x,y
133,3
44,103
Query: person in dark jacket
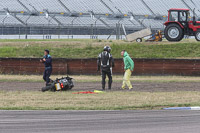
x,y
47,60
105,62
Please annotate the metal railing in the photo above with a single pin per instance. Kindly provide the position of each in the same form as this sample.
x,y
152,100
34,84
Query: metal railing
x,y
61,17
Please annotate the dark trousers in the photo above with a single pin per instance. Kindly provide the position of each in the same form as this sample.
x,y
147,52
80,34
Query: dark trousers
x,y
46,75
103,75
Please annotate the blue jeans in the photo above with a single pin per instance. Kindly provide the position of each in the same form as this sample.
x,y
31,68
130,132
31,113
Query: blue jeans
x,y
46,75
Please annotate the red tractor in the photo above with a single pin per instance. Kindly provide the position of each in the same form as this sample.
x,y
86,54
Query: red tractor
x,y
179,24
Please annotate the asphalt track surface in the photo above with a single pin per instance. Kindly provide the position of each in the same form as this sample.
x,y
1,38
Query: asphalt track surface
x,y
99,121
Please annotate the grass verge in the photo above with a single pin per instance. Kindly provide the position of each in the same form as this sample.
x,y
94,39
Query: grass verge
x,y
106,101
85,78
86,48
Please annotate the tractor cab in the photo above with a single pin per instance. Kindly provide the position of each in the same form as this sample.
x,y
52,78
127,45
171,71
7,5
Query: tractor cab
x,y
179,24
181,16
178,15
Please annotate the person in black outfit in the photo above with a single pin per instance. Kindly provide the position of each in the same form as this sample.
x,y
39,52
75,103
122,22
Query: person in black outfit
x,y
47,60
105,62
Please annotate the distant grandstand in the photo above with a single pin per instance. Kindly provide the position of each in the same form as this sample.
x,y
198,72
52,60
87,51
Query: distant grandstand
x,y
85,17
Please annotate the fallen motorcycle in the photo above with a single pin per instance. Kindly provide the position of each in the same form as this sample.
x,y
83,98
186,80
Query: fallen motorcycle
x,y
62,84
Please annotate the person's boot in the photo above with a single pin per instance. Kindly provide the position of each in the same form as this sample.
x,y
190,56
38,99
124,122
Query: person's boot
x,y
109,87
103,87
130,88
122,88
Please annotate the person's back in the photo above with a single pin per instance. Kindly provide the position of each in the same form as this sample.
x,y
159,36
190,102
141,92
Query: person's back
x,y
105,59
105,62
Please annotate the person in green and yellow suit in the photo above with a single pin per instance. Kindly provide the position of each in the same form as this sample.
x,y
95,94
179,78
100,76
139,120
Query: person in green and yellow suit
x,y
128,68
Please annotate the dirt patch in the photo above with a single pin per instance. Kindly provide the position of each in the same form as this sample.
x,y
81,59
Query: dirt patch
x,y
90,86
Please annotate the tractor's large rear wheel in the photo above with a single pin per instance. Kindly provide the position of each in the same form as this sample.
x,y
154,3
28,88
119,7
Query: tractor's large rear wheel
x,y
173,32
197,35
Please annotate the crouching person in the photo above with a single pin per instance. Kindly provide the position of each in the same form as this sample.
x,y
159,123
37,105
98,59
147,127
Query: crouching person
x,y
128,68
47,60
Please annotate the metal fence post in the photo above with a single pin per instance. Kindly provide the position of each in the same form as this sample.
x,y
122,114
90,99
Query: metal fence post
x,y
91,32
43,31
26,33
19,32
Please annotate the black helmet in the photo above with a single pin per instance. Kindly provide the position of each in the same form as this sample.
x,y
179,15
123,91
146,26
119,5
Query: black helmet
x,y
47,50
107,48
